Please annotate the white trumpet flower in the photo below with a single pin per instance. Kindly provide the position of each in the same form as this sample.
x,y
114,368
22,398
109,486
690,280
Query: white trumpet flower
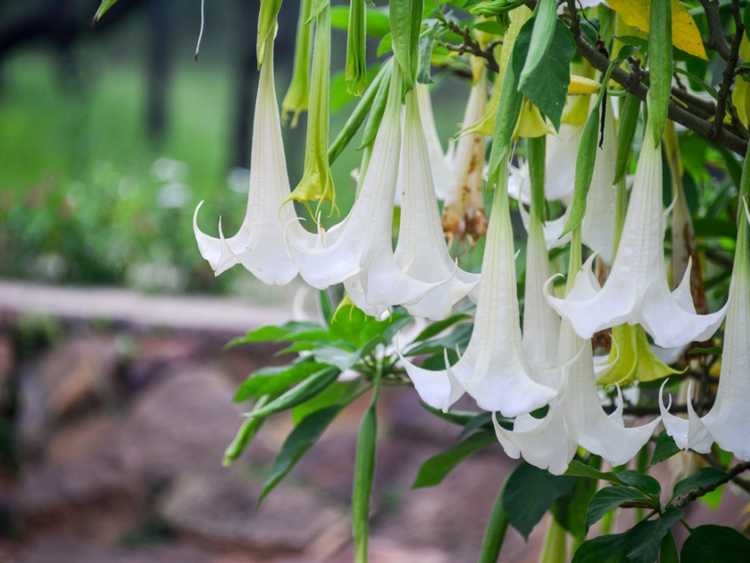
x,y
575,418
421,252
441,162
636,290
358,251
598,230
259,244
541,325
559,167
728,421
493,369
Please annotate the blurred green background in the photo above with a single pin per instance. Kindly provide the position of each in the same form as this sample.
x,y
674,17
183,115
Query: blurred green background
x,y
111,134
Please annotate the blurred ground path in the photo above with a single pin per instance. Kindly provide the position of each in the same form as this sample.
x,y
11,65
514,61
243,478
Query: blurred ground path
x,y
220,314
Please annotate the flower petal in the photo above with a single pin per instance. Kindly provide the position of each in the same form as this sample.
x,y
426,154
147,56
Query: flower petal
x,y
688,433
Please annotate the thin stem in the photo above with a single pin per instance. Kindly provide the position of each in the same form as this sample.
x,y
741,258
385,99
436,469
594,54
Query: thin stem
x,y
494,534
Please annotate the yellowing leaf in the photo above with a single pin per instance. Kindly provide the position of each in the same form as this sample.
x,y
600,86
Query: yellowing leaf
x,y
531,123
685,34
741,100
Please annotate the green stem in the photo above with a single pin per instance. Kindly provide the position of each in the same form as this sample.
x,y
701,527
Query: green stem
x,y
536,148
621,209
494,534
555,544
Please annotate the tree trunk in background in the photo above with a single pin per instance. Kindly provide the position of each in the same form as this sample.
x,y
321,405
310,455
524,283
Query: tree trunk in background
x,y
159,69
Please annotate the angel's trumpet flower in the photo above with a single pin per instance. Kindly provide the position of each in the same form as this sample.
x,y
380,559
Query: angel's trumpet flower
x,y
441,162
728,421
421,252
636,290
575,417
493,369
259,244
358,251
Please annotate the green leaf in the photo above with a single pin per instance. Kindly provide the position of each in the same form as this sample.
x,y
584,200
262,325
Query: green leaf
x,y
604,549
273,333
377,20
612,497
437,327
704,477
547,85
579,469
103,8
664,448
570,510
274,380
644,483
668,550
545,20
301,439
337,393
435,469
640,544
244,435
299,393
631,108
342,140
453,416
364,471
715,544
529,493
406,22
660,66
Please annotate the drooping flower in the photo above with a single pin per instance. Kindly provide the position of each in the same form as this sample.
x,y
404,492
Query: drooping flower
x,y
259,244
575,418
728,421
358,251
441,163
421,252
636,290
493,369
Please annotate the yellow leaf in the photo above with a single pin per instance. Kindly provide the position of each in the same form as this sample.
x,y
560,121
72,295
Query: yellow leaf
x,y
685,34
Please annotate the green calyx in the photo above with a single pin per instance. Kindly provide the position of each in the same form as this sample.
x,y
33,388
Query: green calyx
x,y
317,181
355,71
632,359
296,98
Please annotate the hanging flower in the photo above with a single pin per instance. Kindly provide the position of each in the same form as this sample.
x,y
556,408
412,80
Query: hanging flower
x,y
493,369
728,421
259,244
358,251
575,418
441,163
421,252
636,290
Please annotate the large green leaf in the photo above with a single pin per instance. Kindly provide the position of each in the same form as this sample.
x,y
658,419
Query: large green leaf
x,y
436,468
547,85
406,21
704,477
529,493
301,439
612,497
715,544
640,544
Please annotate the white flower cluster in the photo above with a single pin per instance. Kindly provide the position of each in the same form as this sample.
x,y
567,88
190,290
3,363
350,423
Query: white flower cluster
x,y
504,369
